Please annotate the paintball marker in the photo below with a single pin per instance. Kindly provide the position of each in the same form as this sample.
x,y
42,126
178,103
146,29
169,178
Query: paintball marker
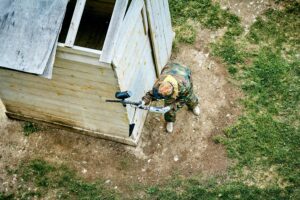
x,y
122,96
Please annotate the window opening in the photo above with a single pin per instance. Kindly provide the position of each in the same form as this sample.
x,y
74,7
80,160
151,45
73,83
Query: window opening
x,y
67,21
93,25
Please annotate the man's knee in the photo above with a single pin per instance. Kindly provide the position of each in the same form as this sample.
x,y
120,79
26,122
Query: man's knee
x,y
170,116
192,102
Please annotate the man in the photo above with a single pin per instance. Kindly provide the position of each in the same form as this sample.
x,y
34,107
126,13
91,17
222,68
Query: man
x,y
175,87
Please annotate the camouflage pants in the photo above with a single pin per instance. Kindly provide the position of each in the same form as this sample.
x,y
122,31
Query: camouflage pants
x,y
191,100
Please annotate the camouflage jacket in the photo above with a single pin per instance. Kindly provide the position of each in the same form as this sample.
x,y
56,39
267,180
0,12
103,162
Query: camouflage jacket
x,y
182,75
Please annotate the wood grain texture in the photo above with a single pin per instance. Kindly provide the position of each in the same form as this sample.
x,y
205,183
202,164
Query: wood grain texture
x,y
102,135
133,62
75,23
160,31
170,34
145,20
28,33
132,16
114,30
75,97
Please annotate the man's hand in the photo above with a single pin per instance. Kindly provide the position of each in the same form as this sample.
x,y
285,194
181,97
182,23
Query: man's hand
x,y
145,102
142,104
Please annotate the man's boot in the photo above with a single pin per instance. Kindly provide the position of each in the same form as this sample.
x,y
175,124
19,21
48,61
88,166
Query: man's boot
x,y
196,110
170,127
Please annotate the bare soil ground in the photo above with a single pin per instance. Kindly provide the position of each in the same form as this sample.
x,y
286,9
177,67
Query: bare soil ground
x,y
186,152
189,151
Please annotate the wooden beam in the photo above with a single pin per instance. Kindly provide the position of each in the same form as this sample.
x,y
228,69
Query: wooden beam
x,y
113,30
125,140
145,20
71,36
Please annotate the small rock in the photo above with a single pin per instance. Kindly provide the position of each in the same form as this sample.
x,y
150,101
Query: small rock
x,y
84,171
209,66
143,170
228,115
161,127
107,181
149,161
116,187
176,158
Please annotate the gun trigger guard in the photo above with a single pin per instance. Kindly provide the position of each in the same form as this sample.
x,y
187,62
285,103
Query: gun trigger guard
x,y
123,103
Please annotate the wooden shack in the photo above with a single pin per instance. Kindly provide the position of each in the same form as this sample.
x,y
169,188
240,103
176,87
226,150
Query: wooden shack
x,y
60,60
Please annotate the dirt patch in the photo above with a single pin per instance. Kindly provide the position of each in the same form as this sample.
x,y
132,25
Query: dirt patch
x,y
247,10
189,151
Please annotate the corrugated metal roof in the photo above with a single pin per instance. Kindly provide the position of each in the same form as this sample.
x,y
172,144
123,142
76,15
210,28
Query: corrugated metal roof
x,y
28,34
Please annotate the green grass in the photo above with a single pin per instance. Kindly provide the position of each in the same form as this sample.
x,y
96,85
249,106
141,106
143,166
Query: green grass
x,y
229,51
264,142
186,15
29,128
46,180
194,189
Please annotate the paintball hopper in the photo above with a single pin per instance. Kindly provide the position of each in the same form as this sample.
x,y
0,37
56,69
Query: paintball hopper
x,y
123,95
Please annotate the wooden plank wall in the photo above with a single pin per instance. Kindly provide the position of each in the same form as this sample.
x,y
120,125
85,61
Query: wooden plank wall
x,y
75,96
160,31
113,30
133,61
78,11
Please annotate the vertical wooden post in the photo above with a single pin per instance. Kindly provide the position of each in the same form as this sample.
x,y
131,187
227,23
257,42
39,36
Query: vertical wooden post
x,y
71,36
113,30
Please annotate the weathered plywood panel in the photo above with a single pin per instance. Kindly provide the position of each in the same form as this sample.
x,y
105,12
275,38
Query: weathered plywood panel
x,y
28,33
145,74
160,31
81,120
133,61
75,23
116,138
113,30
75,97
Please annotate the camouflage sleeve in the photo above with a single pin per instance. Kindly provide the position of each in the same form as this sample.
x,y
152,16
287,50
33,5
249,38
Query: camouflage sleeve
x,y
148,97
184,92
